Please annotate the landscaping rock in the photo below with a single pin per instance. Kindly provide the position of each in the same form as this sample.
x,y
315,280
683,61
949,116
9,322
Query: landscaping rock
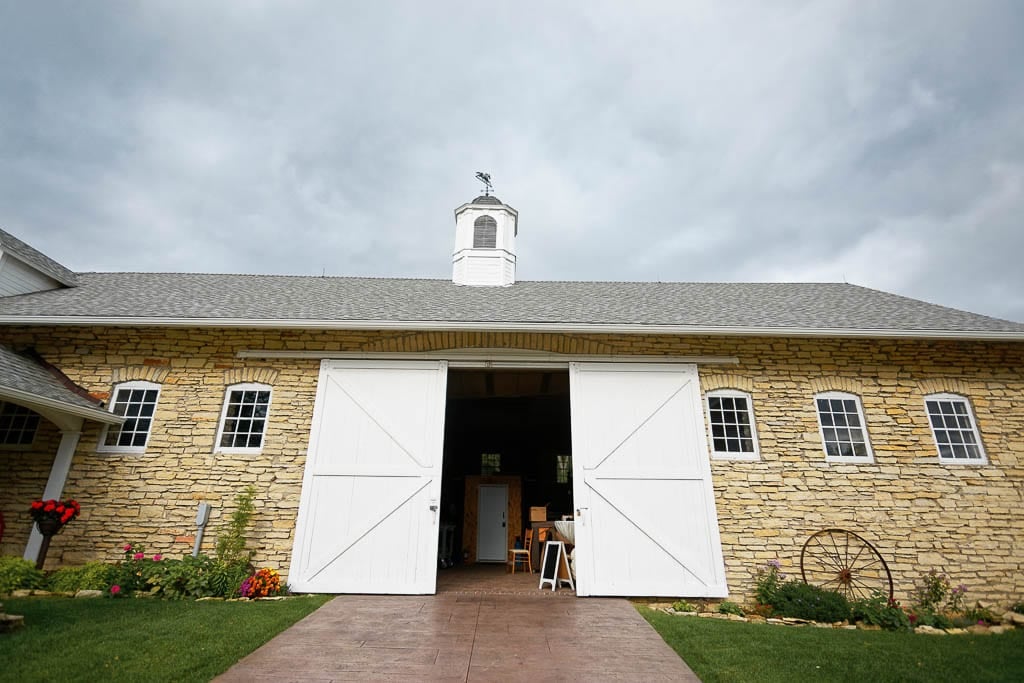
x,y
979,630
778,622
10,622
874,627
756,619
849,627
818,624
793,621
1013,618
209,599
956,631
735,617
930,630
21,593
89,594
999,630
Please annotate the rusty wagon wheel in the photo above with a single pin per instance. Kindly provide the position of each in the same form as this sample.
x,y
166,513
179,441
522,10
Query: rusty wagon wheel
x,y
840,560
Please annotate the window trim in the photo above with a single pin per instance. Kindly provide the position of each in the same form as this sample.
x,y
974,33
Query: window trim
x,y
102,446
948,396
845,459
730,455
241,450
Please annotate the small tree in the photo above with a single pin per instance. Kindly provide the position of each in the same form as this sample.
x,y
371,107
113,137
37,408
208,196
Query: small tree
x,y
231,548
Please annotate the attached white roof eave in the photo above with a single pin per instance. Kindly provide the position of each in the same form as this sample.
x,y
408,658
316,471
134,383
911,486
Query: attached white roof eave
x,y
37,402
523,327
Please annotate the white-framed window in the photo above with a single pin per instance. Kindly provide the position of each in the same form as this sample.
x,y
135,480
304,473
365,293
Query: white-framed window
x,y
243,420
731,420
18,425
954,429
136,401
485,233
844,432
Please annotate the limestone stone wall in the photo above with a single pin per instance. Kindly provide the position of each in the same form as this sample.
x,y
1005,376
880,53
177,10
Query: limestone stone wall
x,y
962,520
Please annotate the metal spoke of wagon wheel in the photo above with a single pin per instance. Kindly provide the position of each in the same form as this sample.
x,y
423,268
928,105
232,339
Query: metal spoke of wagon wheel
x,y
841,560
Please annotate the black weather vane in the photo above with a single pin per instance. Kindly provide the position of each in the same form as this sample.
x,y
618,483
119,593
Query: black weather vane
x,y
485,178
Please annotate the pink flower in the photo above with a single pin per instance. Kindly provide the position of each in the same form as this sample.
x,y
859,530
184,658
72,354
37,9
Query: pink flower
x,y
158,557
139,556
127,547
115,589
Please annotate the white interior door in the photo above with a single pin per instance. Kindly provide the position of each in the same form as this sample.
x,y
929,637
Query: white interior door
x,y
491,525
368,513
645,508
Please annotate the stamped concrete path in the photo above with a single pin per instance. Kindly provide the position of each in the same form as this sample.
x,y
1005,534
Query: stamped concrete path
x,y
466,637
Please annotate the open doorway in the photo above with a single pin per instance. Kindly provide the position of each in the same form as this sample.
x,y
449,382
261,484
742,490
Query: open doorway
x,y
507,449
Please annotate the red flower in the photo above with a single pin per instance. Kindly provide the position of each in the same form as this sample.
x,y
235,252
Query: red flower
x,y
37,505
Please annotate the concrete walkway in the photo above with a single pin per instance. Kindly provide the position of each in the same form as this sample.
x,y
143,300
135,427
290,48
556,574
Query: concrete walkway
x,y
466,637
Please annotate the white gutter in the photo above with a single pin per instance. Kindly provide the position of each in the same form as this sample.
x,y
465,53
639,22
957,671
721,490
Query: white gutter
x,y
523,327
95,414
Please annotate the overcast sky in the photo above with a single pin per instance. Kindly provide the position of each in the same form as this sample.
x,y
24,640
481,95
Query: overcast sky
x,y
877,143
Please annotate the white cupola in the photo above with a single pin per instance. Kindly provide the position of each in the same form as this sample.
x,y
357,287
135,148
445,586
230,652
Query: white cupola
x,y
485,243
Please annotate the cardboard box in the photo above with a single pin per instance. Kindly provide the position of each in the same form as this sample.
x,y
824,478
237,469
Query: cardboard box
x,y
539,514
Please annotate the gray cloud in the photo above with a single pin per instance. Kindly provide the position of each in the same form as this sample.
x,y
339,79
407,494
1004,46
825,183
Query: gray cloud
x,y
881,143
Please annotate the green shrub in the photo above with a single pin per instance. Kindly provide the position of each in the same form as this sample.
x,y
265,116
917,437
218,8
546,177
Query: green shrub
x,y
768,580
878,610
921,617
17,573
189,577
803,601
684,606
90,576
728,607
231,548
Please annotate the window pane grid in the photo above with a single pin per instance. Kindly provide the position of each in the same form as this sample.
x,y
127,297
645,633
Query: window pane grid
x,y
138,405
954,430
731,424
490,464
245,418
841,428
563,468
18,425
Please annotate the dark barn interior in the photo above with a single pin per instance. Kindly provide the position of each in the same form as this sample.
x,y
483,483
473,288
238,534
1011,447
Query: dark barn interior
x,y
521,416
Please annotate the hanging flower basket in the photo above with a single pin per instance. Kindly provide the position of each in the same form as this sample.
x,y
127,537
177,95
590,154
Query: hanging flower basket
x,y
50,516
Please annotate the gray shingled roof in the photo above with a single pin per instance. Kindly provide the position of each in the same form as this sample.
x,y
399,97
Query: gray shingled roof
x,y
22,378
729,308
37,259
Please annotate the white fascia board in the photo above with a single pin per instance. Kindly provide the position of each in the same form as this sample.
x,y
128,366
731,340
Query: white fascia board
x,y
33,400
486,358
550,327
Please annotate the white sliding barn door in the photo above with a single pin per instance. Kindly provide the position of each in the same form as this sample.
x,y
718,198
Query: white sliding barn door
x,y
646,522
368,514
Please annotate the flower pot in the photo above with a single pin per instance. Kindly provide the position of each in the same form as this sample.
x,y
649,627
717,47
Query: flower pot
x,y
48,527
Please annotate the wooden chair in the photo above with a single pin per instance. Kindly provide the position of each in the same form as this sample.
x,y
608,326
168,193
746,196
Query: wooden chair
x,y
517,555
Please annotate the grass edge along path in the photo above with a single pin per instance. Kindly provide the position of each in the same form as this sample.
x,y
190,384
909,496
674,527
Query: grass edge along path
x,y
140,639
720,651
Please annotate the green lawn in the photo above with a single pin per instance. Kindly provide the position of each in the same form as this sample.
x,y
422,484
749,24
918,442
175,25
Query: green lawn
x,y
139,639
719,650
